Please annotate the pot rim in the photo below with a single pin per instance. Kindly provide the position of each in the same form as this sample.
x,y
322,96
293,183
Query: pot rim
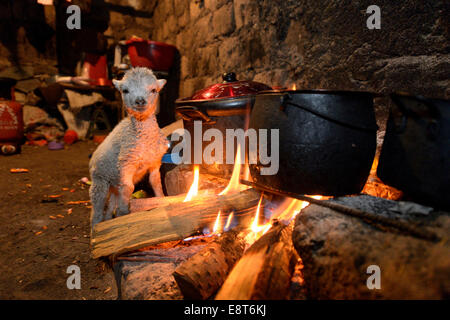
x,y
319,91
196,101
405,94
151,43
230,88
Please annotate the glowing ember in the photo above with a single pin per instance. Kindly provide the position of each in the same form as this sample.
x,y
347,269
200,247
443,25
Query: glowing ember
x,y
193,191
233,184
375,187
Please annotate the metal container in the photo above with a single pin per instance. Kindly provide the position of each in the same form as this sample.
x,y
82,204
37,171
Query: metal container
x,y
11,119
220,106
415,156
327,140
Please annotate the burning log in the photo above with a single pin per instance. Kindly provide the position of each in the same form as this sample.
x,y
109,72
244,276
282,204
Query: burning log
x,y
152,203
158,202
147,275
172,222
180,179
203,274
265,270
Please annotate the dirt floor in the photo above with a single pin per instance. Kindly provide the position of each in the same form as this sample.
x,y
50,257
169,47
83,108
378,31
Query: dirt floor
x,y
40,239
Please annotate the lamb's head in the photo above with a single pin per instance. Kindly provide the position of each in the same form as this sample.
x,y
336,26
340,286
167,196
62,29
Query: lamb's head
x,y
140,91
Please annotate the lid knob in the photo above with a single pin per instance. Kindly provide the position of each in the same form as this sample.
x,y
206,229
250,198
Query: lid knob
x,y
229,77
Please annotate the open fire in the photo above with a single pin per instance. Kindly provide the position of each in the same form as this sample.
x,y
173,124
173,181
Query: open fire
x,y
284,211
261,223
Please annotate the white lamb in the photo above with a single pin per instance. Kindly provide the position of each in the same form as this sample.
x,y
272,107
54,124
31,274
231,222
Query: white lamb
x,y
133,148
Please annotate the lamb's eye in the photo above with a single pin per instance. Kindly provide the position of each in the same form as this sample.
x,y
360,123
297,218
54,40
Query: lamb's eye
x,y
153,90
124,91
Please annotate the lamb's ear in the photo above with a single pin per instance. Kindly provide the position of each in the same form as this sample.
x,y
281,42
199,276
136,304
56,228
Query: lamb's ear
x,y
117,84
160,83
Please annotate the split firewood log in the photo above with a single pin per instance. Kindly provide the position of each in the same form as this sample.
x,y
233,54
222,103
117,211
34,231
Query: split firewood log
x,y
145,204
172,222
203,274
265,270
179,180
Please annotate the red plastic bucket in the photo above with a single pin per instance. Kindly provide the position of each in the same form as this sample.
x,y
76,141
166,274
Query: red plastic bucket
x,y
11,122
96,66
157,56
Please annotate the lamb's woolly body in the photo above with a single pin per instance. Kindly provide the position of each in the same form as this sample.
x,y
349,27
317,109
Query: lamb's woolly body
x,y
134,147
131,143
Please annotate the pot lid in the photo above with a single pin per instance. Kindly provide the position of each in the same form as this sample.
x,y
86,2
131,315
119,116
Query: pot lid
x,y
229,88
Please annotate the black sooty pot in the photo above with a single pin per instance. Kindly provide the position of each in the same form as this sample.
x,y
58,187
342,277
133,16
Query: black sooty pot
x,y
415,157
327,140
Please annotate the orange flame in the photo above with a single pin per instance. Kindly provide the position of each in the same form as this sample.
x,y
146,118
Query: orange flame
x,y
289,208
193,191
217,224
230,218
292,207
255,227
216,230
285,213
233,184
375,187
294,87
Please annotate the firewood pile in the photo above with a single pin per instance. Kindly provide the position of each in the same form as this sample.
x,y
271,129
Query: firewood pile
x,y
160,250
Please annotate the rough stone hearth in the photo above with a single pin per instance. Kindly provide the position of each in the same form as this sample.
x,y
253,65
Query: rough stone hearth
x,y
337,249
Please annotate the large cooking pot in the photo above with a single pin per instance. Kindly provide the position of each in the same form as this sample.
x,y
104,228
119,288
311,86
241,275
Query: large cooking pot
x,y
327,140
415,156
221,106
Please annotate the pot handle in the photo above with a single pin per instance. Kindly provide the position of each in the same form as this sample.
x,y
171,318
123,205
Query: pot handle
x,y
286,100
229,77
191,113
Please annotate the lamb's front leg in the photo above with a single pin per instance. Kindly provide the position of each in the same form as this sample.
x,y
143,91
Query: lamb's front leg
x,y
98,193
155,181
125,188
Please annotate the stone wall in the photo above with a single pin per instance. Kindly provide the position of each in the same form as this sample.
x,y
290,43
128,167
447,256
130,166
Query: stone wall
x,y
27,37
128,18
314,44
28,31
